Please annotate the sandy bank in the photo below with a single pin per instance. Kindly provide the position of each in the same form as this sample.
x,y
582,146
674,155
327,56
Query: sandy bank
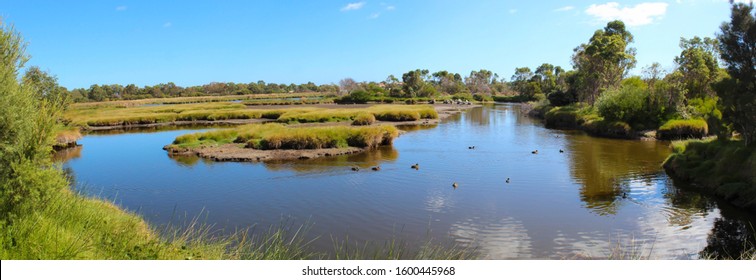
x,y
236,152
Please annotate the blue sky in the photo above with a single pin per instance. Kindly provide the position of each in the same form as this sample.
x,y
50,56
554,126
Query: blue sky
x,y
197,42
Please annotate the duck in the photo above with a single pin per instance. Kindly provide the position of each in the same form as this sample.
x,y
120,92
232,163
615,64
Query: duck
x,y
376,168
561,151
355,168
454,185
507,180
534,152
416,166
471,147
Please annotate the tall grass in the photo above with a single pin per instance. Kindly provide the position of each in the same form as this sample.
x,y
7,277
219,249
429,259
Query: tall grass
x,y
276,136
263,97
681,129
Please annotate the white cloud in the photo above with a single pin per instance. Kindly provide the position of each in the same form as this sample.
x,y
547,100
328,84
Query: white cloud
x,y
374,15
641,14
513,11
167,24
353,6
390,8
564,9
121,8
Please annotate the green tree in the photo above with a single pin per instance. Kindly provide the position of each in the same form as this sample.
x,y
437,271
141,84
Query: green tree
x,y
28,122
413,82
479,82
604,61
698,64
737,44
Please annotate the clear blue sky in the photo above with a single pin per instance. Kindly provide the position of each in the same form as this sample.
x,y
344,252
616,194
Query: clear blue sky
x,y
197,42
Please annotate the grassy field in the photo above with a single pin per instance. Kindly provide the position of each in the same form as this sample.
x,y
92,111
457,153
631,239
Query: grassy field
x,y
213,111
205,99
277,136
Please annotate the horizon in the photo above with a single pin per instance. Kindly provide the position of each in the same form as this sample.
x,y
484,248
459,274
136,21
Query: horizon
x,y
283,42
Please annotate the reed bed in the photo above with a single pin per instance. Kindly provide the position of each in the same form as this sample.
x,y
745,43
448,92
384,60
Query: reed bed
x,y
214,111
277,136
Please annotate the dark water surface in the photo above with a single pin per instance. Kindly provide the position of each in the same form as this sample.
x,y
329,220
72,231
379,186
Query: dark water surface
x,y
598,197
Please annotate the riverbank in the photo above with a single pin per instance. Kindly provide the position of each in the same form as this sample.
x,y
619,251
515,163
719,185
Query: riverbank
x,y
726,169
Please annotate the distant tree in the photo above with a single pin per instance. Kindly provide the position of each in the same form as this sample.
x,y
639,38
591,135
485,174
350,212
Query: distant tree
x,y
479,82
347,85
413,81
737,44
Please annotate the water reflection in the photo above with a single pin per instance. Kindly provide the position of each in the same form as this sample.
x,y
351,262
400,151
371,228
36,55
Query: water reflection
x,y
729,239
67,154
606,167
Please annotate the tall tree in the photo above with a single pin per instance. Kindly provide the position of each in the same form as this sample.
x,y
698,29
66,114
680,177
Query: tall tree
x,y
604,61
698,65
414,81
737,44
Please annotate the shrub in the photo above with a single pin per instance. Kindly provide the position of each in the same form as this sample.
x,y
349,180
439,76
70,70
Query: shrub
x,y
678,129
562,98
364,119
562,117
613,129
625,104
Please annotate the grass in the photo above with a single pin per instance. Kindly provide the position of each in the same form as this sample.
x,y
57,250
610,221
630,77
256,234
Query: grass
x,y
724,168
277,136
67,136
682,129
198,99
213,111
363,119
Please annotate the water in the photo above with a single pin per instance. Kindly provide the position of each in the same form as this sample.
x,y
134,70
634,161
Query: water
x,y
598,197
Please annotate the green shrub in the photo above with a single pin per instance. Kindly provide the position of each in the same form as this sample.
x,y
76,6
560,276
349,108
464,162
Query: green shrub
x,y
612,129
562,98
679,129
625,104
563,117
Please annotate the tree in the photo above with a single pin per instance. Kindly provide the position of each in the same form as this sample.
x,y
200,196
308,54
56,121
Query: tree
x,y
479,82
414,81
737,44
604,61
28,121
698,64
347,85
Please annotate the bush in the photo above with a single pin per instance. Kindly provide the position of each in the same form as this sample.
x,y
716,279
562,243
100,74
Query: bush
x,y
679,129
612,129
562,98
364,119
625,104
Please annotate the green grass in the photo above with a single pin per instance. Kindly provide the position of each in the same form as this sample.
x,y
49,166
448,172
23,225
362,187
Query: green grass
x,y
682,129
214,111
725,168
277,136
363,119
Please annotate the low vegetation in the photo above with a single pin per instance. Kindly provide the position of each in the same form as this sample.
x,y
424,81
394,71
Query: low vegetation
x,y
123,116
277,136
724,168
683,129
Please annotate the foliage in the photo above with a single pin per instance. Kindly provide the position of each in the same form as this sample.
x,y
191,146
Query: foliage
x,y
625,104
562,98
737,44
681,129
603,62
724,168
698,65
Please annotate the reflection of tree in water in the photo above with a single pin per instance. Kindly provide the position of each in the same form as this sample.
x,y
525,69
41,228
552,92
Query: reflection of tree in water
x,y
687,205
364,160
729,239
605,168
67,154
478,116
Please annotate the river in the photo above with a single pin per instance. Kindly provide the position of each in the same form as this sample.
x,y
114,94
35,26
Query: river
x,y
596,198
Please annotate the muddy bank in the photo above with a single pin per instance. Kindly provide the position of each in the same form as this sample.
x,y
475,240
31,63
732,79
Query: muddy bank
x,y
236,152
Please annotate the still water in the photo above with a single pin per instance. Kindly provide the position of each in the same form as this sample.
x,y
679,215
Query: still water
x,y
597,197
